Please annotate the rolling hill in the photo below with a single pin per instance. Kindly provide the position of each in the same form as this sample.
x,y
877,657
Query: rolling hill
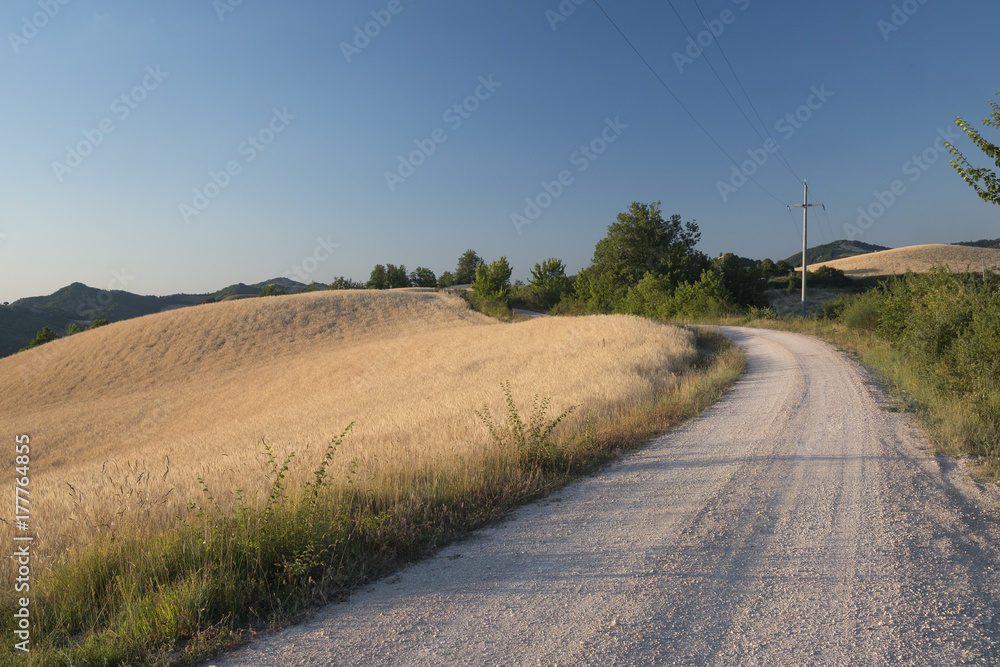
x,y
982,243
917,258
80,304
834,250
152,404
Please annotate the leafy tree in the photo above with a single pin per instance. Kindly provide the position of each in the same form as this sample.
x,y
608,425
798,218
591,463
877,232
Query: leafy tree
x,y
549,280
650,297
379,278
467,265
827,275
447,279
340,282
990,188
397,276
46,335
423,277
271,290
707,296
73,328
767,267
640,242
312,287
743,278
781,267
493,280
96,324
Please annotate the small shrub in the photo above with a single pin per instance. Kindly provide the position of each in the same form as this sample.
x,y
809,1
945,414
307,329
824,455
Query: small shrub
x,y
531,442
861,312
46,335
757,313
493,280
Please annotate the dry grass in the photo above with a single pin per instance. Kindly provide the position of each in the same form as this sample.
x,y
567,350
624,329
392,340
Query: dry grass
x,y
205,386
917,258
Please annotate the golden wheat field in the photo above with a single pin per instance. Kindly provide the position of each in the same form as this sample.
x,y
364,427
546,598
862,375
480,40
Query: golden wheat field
x,y
916,258
125,419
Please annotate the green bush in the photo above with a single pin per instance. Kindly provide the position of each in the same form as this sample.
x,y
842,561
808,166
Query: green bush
x,y
945,325
828,276
531,442
653,297
493,280
46,335
549,282
342,282
766,313
271,290
862,312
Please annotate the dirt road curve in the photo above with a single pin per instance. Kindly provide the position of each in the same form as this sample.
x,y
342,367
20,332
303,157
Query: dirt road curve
x,y
796,522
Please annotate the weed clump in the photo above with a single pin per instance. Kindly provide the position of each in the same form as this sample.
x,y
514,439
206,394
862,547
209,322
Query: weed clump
x,y
530,442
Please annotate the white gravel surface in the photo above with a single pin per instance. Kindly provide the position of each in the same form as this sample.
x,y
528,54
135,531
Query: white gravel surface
x,y
798,521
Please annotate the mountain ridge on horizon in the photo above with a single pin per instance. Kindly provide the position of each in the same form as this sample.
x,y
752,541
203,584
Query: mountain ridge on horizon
x,y
81,304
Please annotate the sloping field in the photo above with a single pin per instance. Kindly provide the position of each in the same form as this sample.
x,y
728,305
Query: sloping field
x,y
916,258
207,386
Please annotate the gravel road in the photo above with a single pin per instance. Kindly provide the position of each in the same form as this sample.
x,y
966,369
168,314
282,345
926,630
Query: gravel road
x,y
798,521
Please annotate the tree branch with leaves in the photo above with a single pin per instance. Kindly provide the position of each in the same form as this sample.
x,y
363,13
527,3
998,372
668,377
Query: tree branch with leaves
x,y
982,179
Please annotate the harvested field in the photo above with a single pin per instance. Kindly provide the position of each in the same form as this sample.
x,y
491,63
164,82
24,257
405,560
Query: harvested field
x,y
916,258
207,386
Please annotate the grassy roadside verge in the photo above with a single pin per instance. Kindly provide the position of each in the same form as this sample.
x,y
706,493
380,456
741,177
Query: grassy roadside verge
x,y
215,579
954,421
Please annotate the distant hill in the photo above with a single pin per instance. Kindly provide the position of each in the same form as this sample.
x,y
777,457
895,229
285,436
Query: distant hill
x,y
241,289
834,250
79,304
919,259
984,243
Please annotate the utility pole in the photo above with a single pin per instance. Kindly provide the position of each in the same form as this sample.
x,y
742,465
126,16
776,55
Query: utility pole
x,y
805,221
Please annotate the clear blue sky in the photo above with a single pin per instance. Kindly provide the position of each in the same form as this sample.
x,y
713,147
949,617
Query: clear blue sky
x,y
219,81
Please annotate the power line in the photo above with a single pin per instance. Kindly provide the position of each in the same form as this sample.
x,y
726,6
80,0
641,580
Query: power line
x,y
716,73
681,104
781,155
